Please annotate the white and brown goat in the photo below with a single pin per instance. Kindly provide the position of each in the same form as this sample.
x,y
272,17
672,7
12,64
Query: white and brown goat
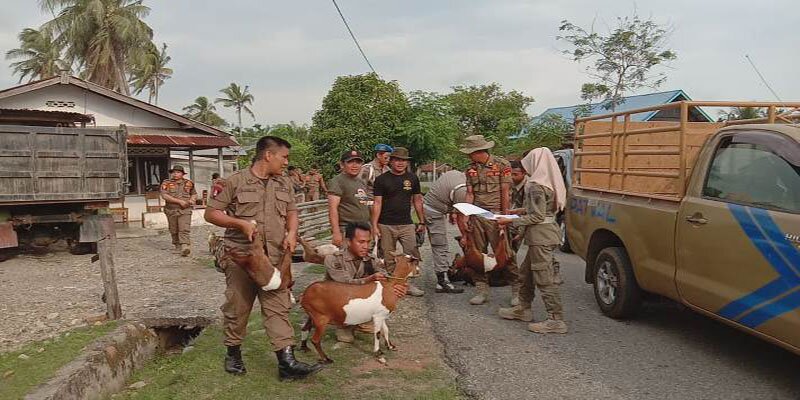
x,y
255,261
315,253
343,304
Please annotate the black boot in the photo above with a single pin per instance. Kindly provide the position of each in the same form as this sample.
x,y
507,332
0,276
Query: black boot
x,y
233,361
443,285
289,368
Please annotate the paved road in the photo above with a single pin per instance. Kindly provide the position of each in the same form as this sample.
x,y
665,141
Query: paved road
x,y
668,352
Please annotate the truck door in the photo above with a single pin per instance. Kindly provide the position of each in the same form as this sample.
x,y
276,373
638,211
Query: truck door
x,y
737,233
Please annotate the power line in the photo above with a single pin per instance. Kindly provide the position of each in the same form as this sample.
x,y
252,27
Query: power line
x,y
762,77
354,37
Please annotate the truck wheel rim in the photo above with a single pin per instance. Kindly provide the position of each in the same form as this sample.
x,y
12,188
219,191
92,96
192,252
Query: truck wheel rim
x,y
607,283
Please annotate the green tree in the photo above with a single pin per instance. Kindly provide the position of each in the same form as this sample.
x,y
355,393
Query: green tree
x,y
739,113
489,111
358,112
150,71
39,55
101,37
302,154
546,131
623,57
204,111
431,130
239,99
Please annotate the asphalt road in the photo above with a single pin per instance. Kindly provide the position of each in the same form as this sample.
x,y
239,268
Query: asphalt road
x,y
667,352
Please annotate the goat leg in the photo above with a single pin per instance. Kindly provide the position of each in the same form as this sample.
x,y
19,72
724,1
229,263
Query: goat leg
x,y
304,335
319,330
378,324
385,332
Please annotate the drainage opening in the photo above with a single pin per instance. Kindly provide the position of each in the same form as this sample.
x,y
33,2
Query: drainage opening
x,y
175,334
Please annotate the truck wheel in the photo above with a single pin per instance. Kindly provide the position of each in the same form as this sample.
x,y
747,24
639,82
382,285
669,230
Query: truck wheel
x,y
615,287
565,247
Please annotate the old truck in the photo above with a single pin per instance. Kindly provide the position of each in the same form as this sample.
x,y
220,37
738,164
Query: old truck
x,y
52,179
705,214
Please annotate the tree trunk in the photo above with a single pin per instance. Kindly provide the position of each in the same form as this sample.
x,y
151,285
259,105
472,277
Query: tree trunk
x,y
239,114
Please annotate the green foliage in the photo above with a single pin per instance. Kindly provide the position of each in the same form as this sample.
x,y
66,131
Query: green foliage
x,y
204,111
739,113
358,112
547,131
623,57
237,98
39,54
149,71
302,154
102,37
431,130
44,359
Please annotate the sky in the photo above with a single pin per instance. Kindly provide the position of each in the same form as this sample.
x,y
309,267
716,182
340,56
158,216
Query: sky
x,y
290,52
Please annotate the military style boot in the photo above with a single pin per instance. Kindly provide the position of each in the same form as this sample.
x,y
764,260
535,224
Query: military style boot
x,y
233,361
519,312
443,284
185,250
289,368
483,294
515,294
550,325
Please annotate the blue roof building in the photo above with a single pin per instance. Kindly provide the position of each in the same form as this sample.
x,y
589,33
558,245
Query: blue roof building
x,y
696,114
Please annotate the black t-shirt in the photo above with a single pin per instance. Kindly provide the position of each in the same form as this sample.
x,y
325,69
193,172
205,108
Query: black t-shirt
x,y
396,192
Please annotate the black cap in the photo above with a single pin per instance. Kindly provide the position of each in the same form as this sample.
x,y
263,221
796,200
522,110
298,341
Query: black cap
x,y
351,155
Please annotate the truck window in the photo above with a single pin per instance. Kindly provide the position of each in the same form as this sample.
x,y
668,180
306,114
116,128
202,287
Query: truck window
x,y
758,169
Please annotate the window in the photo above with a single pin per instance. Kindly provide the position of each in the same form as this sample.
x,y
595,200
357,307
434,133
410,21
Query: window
x,y
756,168
145,174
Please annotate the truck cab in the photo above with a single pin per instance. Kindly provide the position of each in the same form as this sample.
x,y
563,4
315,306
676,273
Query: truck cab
x,y
725,242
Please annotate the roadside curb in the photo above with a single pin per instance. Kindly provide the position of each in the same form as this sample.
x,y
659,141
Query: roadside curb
x,y
103,367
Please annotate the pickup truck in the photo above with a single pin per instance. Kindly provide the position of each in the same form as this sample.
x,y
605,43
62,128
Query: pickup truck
x,y
705,214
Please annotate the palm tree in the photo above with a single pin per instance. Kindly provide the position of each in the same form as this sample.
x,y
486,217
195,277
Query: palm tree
x,y
40,55
101,36
150,71
237,98
204,111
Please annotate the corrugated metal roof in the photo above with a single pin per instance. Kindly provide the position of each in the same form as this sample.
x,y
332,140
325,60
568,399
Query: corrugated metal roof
x,y
630,103
42,115
181,141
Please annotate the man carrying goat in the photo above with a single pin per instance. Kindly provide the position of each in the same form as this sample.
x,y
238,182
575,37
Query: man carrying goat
x,y
258,201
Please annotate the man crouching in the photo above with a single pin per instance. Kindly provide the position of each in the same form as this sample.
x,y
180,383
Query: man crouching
x,y
355,265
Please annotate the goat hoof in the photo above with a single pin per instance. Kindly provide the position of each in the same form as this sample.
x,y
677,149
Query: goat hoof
x,y
326,361
382,360
392,347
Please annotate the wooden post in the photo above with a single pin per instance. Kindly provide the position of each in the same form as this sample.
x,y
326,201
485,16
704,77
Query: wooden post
x,y
105,251
219,162
682,149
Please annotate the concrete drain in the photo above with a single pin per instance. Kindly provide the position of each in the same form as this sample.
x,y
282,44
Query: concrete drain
x,y
176,333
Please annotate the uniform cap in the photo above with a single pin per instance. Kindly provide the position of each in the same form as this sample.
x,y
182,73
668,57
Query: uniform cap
x,y
351,155
383,148
401,153
475,143
178,168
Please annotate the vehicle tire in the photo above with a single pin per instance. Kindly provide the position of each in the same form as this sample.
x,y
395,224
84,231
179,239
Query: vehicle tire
x,y
615,287
565,247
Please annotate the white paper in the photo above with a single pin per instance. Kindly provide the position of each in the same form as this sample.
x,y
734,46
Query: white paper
x,y
471,209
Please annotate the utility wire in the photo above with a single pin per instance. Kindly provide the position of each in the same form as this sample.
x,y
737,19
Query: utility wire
x,y
354,37
762,77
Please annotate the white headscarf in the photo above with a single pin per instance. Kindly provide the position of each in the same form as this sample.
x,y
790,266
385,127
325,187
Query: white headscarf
x,y
542,168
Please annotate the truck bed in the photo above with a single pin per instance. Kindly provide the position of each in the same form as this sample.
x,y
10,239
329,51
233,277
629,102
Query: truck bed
x,y
46,164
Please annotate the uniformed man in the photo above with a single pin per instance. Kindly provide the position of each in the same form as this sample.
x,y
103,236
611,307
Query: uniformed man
x,y
517,201
545,196
314,183
488,187
375,168
354,265
179,195
258,199
395,192
347,196
450,188
296,175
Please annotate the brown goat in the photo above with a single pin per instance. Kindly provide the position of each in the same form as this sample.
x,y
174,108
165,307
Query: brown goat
x,y
479,262
255,261
343,304
314,253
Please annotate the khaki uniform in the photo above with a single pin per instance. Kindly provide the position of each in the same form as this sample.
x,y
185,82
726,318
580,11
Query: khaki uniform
x,y
313,183
179,219
449,189
517,201
344,267
267,202
299,187
543,236
369,172
486,180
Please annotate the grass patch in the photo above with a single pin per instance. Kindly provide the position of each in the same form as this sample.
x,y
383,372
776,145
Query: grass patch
x,y
206,262
198,374
44,359
315,269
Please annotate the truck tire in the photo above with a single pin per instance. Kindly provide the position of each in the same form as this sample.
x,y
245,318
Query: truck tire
x,y
615,287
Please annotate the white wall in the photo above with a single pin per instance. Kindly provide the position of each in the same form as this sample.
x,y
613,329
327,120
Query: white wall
x,y
107,112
